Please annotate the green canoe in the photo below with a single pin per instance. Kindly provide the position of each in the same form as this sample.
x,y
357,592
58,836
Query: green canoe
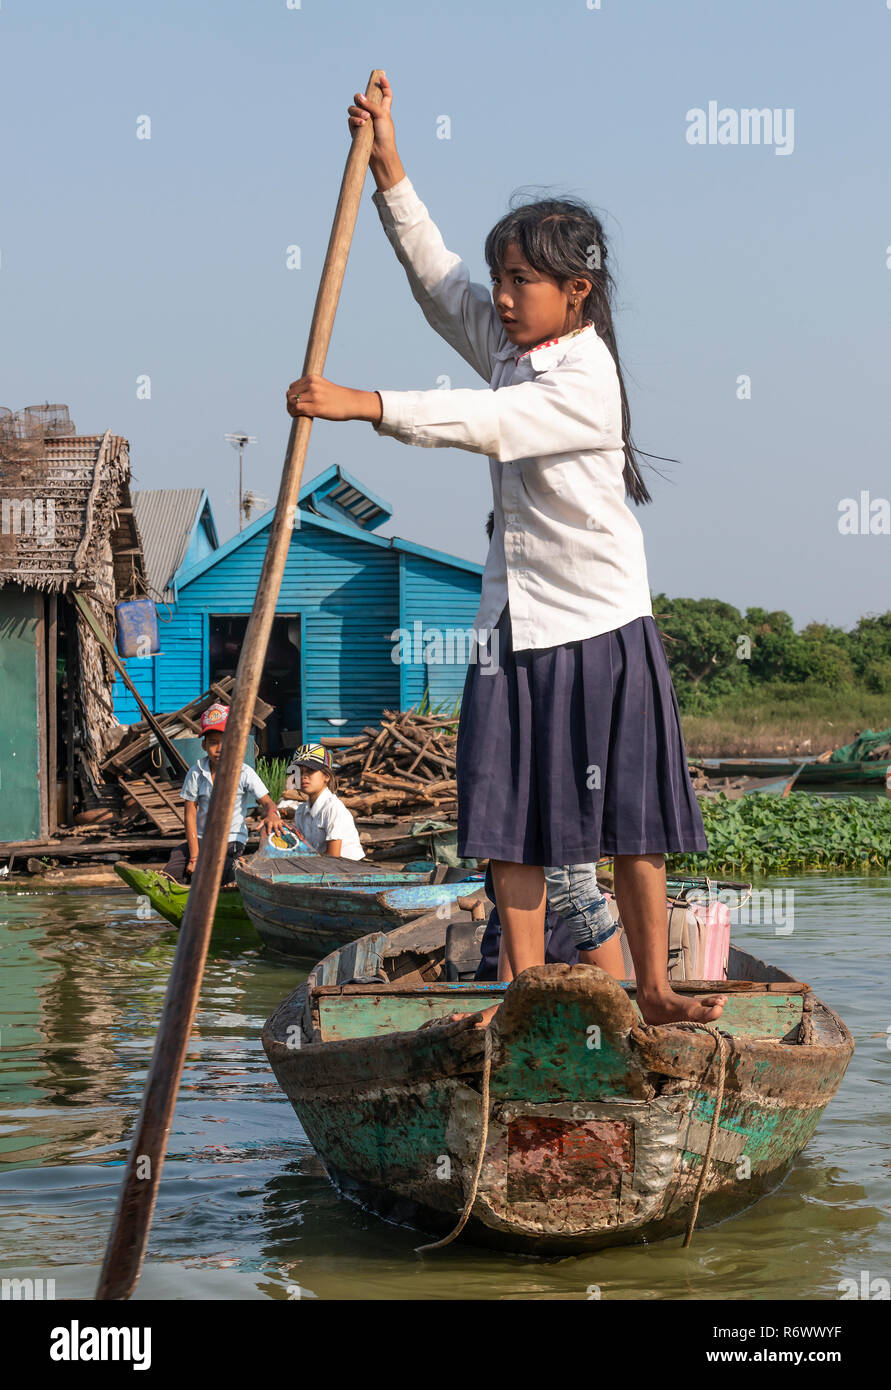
x,y
169,897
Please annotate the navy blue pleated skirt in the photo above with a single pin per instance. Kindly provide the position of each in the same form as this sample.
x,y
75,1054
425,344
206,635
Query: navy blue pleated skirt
x,y
572,752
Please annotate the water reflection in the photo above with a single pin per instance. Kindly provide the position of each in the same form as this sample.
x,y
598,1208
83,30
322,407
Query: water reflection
x,y
245,1210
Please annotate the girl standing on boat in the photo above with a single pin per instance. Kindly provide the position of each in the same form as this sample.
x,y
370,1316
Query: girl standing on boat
x,y
569,741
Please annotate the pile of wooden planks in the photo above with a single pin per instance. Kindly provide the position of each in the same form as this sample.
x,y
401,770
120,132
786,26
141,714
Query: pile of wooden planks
x,y
138,749
158,802
406,765
147,779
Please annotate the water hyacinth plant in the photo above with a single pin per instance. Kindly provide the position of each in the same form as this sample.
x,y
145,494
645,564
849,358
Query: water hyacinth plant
x,y
772,834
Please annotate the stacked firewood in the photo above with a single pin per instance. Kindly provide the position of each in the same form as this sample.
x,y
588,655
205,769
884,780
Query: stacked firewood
x,y
407,767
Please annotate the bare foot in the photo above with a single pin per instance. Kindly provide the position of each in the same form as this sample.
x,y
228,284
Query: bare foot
x,y
482,1019
680,1008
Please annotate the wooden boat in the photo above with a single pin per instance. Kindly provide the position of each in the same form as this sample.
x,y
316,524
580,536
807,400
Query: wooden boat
x,y
302,908
866,759
749,767
807,771
829,774
597,1126
767,786
736,788
169,897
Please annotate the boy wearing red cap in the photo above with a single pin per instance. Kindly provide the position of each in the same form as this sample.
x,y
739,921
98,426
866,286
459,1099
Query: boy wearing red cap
x,y
196,791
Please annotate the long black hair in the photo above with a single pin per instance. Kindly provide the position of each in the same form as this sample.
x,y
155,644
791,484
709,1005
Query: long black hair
x,y
563,237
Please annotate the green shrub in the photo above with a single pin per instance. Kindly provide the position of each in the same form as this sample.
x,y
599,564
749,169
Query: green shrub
x,y
877,677
272,771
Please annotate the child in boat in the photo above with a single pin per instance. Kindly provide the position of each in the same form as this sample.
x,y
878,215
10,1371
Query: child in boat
x,y
578,925
569,741
196,790
574,894
322,819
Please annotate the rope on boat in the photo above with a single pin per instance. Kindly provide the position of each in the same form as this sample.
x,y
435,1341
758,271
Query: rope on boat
x,y
484,1135
719,1052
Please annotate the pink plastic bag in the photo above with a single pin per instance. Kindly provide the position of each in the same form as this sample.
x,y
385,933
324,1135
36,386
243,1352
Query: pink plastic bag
x,y
713,946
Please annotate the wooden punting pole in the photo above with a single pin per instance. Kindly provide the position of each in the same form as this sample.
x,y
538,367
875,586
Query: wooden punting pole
x,y
129,1234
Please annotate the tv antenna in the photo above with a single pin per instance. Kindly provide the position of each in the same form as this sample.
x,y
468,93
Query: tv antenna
x,y
238,442
253,502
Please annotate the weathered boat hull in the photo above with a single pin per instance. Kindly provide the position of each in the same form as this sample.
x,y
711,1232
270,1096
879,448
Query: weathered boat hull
x,y
587,1147
305,915
169,898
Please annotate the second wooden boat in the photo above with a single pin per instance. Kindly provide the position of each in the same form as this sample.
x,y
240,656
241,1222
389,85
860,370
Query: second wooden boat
x,y
807,772
830,774
302,908
735,789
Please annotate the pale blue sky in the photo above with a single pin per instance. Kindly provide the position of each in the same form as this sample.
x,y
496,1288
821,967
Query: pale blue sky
x,y
120,256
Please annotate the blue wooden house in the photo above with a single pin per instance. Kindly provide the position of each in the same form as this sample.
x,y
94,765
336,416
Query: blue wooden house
x,y
363,623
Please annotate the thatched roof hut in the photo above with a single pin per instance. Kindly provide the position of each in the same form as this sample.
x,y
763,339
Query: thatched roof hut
x,y
66,526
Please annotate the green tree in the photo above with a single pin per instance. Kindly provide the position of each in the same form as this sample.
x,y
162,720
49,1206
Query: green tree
x,y
774,643
870,643
702,641
876,676
825,656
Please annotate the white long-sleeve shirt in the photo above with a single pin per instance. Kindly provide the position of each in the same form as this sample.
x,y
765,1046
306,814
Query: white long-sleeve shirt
x,y
567,553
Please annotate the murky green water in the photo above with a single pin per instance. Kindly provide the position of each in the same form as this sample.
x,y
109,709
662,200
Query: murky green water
x,y
245,1210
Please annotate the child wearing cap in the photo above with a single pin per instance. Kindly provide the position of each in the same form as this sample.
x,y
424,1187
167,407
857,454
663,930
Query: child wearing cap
x,y
196,791
322,819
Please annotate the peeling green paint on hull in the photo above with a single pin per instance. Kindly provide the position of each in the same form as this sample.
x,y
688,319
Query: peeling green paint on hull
x,y
597,1124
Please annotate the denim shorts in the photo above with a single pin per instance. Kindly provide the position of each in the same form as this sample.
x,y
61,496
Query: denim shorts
x,y
577,918
574,894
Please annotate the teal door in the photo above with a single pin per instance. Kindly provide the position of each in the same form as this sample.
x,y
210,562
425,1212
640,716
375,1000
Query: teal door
x,y
21,630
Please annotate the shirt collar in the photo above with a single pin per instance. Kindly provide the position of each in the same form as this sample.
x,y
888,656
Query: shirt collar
x,y
509,348
320,800
552,342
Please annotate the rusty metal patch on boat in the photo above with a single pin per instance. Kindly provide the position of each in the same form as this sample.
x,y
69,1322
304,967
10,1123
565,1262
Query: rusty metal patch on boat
x,y
549,1157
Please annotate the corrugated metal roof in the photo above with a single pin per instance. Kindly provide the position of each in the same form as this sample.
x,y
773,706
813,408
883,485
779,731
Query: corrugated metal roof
x,y
166,518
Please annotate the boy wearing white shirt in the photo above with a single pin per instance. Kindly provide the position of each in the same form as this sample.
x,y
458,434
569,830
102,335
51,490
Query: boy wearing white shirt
x,y
322,819
196,793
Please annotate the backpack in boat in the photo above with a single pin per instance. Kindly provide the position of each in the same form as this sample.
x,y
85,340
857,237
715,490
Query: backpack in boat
x,y
698,940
